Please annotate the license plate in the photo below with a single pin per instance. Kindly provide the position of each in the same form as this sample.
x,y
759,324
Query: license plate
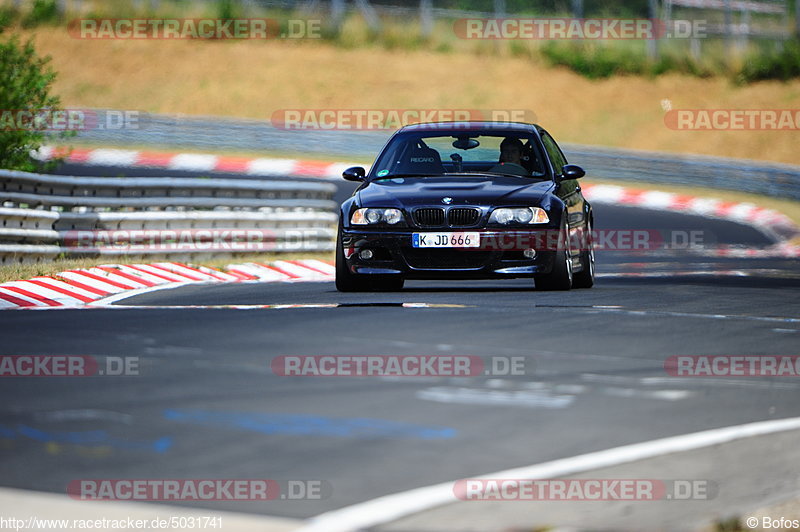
x,y
445,240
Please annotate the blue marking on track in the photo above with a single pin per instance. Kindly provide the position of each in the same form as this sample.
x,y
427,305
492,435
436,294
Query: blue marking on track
x,y
93,438
308,425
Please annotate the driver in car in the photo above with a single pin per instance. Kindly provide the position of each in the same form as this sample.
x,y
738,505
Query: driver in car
x,y
510,158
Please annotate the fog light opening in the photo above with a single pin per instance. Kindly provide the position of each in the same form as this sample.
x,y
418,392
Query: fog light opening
x,y
365,254
529,253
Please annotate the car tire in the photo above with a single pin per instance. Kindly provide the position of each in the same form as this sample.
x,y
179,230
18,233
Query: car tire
x,y
585,277
346,281
560,278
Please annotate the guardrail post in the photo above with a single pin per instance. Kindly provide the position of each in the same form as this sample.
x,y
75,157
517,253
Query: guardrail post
x,y
369,14
728,24
744,30
577,8
796,19
425,17
337,12
499,8
652,44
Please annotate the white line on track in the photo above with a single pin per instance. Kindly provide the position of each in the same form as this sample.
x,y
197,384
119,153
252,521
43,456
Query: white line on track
x,y
391,507
596,308
278,306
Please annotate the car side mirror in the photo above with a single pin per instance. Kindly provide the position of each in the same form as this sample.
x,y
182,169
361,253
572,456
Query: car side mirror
x,y
571,171
354,173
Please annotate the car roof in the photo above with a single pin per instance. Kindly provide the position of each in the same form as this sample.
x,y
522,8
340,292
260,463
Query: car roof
x,y
468,125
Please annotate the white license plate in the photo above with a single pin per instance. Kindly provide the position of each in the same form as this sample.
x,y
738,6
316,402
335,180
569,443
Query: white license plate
x,y
446,240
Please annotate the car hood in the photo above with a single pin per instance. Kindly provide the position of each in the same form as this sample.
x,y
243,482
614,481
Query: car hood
x,y
464,190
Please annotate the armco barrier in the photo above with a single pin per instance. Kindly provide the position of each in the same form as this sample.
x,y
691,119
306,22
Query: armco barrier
x,y
43,216
28,232
755,177
220,133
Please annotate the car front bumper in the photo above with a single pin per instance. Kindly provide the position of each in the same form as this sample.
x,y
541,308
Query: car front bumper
x,y
499,255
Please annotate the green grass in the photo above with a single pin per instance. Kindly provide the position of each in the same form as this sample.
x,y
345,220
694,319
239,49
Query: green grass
x,y
42,12
603,60
782,64
729,525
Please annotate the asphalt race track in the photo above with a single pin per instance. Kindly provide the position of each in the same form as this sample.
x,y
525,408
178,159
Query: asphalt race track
x,y
207,405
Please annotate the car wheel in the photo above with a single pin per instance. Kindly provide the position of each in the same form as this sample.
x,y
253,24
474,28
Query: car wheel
x,y
585,277
560,278
346,281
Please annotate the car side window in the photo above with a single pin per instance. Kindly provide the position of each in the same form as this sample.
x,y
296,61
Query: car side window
x,y
556,156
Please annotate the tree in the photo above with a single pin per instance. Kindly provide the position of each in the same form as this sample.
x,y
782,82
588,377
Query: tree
x,y
25,86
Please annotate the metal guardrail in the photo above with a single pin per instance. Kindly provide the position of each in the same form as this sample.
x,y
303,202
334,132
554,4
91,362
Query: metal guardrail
x,y
215,133
160,217
28,232
779,180
143,220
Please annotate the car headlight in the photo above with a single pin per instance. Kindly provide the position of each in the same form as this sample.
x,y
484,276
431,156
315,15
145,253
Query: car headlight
x,y
392,216
376,216
520,215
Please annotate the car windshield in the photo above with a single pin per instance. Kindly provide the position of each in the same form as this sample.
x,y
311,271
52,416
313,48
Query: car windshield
x,y
460,152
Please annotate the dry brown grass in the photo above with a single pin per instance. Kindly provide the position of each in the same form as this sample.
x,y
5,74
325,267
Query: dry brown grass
x,y
254,78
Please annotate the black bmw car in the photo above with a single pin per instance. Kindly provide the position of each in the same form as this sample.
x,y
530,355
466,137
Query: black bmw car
x,y
456,200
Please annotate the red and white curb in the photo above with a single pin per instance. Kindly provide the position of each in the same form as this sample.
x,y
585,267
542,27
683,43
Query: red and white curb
x,y
745,213
108,283
196,162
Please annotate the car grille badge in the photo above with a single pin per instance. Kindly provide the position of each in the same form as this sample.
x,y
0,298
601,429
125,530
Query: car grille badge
x,y
447,200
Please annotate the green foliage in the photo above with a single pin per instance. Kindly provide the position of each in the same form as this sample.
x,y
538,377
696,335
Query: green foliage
x,y
602,61
7,17
43,12
25,85
593,61
731,524
226,9
783,65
